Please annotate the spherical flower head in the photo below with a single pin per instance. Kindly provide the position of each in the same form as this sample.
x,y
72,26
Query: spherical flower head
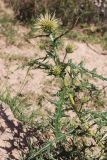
x,y
47,23
56,70
69,48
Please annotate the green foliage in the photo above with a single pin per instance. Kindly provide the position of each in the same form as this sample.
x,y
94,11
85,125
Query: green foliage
x,y
18,106
14,103
80,135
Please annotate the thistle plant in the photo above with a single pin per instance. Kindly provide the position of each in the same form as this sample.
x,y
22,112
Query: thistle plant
x,y
82,134
47,23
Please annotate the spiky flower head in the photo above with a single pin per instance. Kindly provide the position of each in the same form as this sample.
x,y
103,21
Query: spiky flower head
x,y
47,23
56,70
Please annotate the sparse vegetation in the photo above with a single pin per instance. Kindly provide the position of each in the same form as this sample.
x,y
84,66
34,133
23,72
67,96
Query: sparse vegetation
x,y
7,28
94,38
104,40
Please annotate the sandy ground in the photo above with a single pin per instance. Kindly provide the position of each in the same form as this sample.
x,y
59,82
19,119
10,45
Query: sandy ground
x,y
12,77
